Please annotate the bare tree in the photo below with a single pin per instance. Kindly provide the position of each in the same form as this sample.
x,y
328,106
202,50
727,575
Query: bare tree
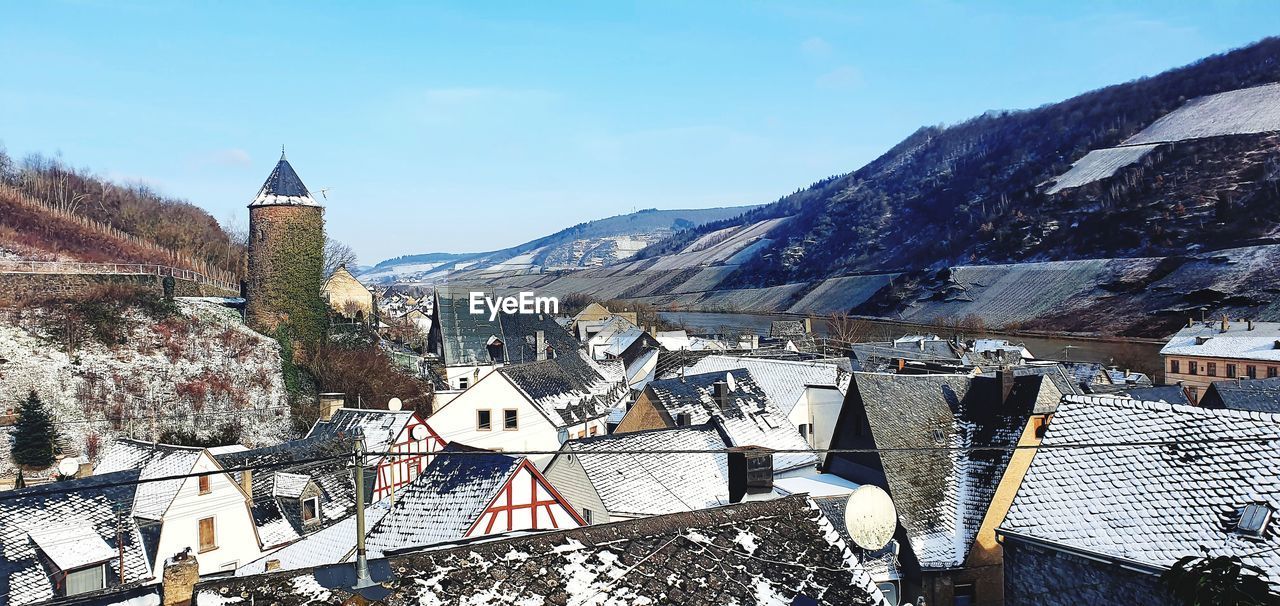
x,y
845,328
337,254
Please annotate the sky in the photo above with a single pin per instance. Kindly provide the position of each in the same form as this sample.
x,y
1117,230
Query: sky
x,y
465,127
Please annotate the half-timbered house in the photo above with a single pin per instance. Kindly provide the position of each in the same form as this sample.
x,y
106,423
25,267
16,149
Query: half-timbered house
x,y
399,443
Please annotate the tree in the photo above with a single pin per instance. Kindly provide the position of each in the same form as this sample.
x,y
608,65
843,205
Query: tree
x,y
1218,581
337,254
847,329
34,436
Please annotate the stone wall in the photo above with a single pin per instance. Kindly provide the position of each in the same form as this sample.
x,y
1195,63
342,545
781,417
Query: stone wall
x,y
17,287
286,260
1038,576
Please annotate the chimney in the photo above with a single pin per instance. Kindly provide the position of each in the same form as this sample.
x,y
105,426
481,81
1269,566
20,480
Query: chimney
x,y
272,565
1190,321
180,575
720,392
1249,323
808,325
750,472
330,403
246,482
540,343
1225,324
1006,382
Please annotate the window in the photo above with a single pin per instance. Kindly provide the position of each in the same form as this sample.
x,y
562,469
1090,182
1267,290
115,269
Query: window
x,y
1231,371
1193,367
1271,372
1253,519
208,540
1174,367
85,580
462,382
683,419
588,515
310,509
484,420
1211,369
963,595
204,485
593,431
510,419
1251,371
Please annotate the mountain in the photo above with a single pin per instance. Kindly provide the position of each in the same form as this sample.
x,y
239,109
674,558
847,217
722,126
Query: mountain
x,y
591,244
1121,210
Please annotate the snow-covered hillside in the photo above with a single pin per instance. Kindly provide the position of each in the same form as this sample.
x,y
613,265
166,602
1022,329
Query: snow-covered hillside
x,y
200,370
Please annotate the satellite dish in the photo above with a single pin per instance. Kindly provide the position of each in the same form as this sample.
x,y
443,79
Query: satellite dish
x,y
418,433
394,404
68,466
870,517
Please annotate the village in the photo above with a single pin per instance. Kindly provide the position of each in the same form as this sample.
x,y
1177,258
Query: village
x,y
598,457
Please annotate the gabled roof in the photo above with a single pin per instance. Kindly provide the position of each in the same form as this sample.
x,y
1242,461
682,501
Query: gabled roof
x,y
766,552
655,483
748,417
444,501
77,508
571,388
1237,341
1150,505
1259,395
283,187
334,543
941,496
379,428
152,499
783,381
464,337
787,329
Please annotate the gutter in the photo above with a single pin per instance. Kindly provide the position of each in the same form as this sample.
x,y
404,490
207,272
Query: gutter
x,y
1124,563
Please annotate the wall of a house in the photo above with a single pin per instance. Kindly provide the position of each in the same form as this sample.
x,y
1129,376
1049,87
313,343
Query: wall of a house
x,y
456,421
818,407
643,415
472,374
567,474
1035,576
535,508
397,470
1200,381
342,290
237,537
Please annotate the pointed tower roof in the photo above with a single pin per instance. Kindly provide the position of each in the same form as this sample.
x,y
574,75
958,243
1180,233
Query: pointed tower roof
x,y
283,187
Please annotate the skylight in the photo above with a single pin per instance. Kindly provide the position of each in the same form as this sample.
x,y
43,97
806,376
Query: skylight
x,y
1254,519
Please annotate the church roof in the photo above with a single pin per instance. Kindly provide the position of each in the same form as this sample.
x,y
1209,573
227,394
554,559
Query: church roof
x,y
283,187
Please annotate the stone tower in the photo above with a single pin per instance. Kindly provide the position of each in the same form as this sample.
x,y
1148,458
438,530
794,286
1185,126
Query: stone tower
x,y
286,257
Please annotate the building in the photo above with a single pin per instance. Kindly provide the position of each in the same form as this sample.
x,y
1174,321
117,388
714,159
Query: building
x,y
1258,395
207,515
949,502
347,297
1206,352
535,406
286,257
782,551
407,440
740,405
605,487
1099,525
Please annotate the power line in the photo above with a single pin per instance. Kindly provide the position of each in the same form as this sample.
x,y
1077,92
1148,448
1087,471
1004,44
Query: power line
x,y
173,416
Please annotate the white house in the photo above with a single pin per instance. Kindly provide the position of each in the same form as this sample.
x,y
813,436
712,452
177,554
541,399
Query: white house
x,y
208,514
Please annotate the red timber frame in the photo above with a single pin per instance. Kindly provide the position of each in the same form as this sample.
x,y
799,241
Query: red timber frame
x,y
408,466
536,480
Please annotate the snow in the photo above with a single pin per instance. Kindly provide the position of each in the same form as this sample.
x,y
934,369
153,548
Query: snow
x,y
1099,164
72,547
1238,112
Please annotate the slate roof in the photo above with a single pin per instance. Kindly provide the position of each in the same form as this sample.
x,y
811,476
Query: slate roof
x,y
332,544
279,518
444,501
570,389
783,381
283,187
787,329
24,579
379,428
1151,505
1169,394
941,496
1208,340
152,499
767,552
881,564
655,483
1259,395
749,417
463,337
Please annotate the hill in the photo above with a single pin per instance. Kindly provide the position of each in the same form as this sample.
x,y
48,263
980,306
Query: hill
x,y
591,244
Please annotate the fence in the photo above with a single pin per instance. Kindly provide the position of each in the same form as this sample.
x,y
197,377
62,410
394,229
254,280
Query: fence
x,y
67,267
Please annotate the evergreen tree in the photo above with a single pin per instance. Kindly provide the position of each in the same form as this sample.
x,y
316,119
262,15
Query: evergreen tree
x,y
34,436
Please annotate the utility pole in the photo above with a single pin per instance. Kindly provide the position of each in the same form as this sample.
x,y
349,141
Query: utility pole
x,y
120,540
362,561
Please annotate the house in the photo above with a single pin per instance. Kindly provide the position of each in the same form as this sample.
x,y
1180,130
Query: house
x,y
347,296
943,446
408,440
782,551
606,487
1099,525
208,515
735,399
464,493
535,406
1203,353
891,356
1258,395
809,393
297,488
70,538
471,346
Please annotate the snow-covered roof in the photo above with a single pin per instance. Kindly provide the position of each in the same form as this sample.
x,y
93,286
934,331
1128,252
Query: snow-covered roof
x,y
1260,395
155,461
748,415
764,552
1151,505
71,546
283,187
334,543
783,381
655,483
571,388
1208,340
463,337
379,428
444,501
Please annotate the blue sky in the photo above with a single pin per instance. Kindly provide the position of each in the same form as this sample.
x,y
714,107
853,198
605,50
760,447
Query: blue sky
x,y
475,126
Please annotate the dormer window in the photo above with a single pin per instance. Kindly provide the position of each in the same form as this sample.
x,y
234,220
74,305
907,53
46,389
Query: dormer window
x,y
310,510
1254,519
78,556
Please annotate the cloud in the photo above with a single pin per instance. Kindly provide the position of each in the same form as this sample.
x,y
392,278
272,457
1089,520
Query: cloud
x,y
816,47
843,77
232,157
